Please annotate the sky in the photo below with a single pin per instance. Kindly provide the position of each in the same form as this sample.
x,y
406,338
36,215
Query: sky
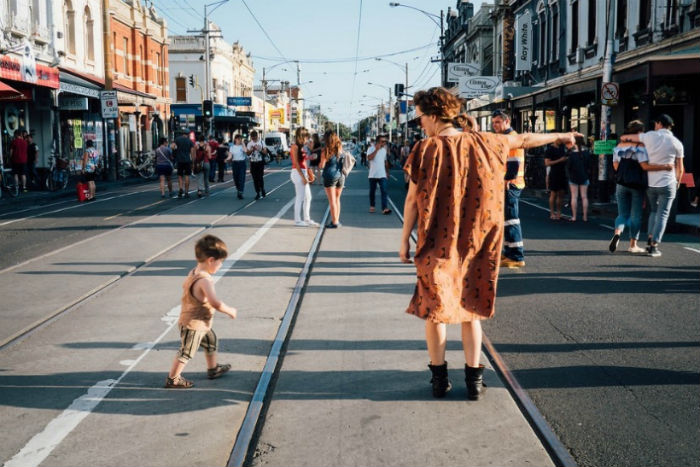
x,y
326,37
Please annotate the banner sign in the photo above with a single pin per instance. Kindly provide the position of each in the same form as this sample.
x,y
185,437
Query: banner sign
x,y
72,103
523,42
40,75
604,146
239,101
475,86
110,109
455,71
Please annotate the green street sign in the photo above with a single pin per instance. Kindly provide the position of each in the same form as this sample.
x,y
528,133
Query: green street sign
x,y
604,146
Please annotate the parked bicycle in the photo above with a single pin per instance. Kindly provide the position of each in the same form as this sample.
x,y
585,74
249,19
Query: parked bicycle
x,y
58,175
143,164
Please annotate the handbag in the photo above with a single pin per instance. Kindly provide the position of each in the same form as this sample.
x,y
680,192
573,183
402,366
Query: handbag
x,y
630,174
348,163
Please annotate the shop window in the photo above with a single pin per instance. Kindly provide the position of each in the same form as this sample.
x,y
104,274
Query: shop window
x,y
89,36
69,26
180,89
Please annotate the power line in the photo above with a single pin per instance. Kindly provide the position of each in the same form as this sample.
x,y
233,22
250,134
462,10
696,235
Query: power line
x,y
357,53
263,30
346,59
163,12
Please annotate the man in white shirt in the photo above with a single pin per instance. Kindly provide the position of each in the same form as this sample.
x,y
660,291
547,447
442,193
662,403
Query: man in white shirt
x,y
376,155
255,151
663,148
238,160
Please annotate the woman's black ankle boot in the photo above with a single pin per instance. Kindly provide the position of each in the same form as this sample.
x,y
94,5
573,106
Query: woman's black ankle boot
x,y
441,384
474,378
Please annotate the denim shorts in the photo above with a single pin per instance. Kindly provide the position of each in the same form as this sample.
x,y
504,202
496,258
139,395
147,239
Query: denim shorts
x,y
579,184
166,170
334,183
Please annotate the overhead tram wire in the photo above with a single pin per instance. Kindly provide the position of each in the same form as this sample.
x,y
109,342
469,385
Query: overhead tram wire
x,y
264,31
162,11
357,52
426,57
346,59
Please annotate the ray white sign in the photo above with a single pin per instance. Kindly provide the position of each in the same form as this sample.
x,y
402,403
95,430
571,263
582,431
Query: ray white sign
x,y
523,42
459,70
475,86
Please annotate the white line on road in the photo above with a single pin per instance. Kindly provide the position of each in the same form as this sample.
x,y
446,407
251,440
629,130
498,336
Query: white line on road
x,y
692,249
42,444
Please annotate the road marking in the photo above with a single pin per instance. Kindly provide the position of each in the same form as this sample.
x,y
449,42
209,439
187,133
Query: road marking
x,y
607,226
42,444
692,249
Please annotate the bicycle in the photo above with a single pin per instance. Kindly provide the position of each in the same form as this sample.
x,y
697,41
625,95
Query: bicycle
x,y
59,174
142,163
8,182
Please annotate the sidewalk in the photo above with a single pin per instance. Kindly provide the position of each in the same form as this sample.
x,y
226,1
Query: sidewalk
x,y
354,386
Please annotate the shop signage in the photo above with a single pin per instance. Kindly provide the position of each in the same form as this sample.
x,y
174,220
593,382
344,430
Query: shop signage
x,y
110,109
80,90
78,134
475,86
523,42
42,75
73,103
610,93
459,70
604,146
239,101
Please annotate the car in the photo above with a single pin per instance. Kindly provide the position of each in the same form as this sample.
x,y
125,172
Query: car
x,y
276,143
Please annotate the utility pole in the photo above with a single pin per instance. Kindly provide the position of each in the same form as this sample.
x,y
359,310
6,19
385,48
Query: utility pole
x,y
405,98
109,85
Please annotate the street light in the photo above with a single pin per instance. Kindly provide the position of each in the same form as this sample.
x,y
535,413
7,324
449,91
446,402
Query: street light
x,y
264,86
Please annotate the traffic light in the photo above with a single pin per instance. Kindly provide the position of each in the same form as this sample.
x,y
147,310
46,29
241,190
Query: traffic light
x,y
192,80
398,89
207,108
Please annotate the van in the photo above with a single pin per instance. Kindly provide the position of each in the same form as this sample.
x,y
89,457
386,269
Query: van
x,y
276,143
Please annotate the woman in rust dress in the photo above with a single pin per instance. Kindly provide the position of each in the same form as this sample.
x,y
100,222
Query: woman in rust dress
x,y
455,197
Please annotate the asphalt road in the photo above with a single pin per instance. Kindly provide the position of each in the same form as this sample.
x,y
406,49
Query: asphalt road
x,y
606,345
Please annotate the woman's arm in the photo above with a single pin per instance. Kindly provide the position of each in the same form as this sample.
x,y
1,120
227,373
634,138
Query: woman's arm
x,y
85,159
655,167
680,169
410,216
294,154
534,140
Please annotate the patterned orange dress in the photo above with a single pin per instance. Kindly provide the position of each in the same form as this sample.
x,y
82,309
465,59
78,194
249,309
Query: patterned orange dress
x,y
460,225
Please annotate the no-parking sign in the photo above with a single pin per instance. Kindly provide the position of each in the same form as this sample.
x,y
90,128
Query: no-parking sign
x,y
110,108
610,94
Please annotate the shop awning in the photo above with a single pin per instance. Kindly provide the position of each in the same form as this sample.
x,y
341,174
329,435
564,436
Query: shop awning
x,y
126,96
79,84
235,120
8,93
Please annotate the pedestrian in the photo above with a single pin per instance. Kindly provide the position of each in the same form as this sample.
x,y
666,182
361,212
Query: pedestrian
x,y
199,302
238,163
555,158
459,239
363,155
222,155
663,148
578,165
32,156
18,159
333,179
91,167
185,154
299,153
256,151
513,248
213,148
376,155
164,167
202,164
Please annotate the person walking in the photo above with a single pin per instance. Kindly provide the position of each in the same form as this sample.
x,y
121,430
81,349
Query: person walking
x,y
578,165
663,149
18,159
376,155
555,159
513,249
164,167
185,153
316,149
202,163
299,154
238,162
213,148
631,164
91,166
256,151
333,179
459,239
222,155
32,156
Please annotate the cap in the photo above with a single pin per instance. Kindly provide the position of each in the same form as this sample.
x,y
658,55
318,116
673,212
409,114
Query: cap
x,y
665,120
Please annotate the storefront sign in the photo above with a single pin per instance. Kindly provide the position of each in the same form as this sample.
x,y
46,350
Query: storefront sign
x,y
523,42
80,90
475,86
604,146
72,103
455,71
110,108
239,101
78,134
12,69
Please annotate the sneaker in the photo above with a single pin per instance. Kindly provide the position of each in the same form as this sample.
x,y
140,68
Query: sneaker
x,y
187,195
240,195
654,251
386,212
162,196
331,226
264,194
257,196
613,243
648,243
199,193
371,209
301,224
180,194
312,223
218,371
511,263
178,383
636,249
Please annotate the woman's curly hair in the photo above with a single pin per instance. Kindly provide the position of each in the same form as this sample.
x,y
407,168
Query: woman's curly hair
x,y
447,107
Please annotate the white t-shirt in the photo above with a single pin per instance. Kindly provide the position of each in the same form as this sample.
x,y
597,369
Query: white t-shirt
x,y
256,155
377,168
663,148
238,152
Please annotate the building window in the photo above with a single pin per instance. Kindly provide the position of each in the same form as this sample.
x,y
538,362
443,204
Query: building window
x,y
114,50
69,26
644,14
671,12
555,31
89,36
126,56
181,89
591,22
541,56
142,60
158,70
574,26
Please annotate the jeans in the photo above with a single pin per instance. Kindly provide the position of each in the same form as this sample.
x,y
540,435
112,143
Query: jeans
x,y
257,170
203,178
382,189
221,166
629,209
660,201
512,234
239,175
302,202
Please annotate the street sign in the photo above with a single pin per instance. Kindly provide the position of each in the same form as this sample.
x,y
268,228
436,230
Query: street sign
x,y
110,109
475,86
610,94
239,101
604,146
455,71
